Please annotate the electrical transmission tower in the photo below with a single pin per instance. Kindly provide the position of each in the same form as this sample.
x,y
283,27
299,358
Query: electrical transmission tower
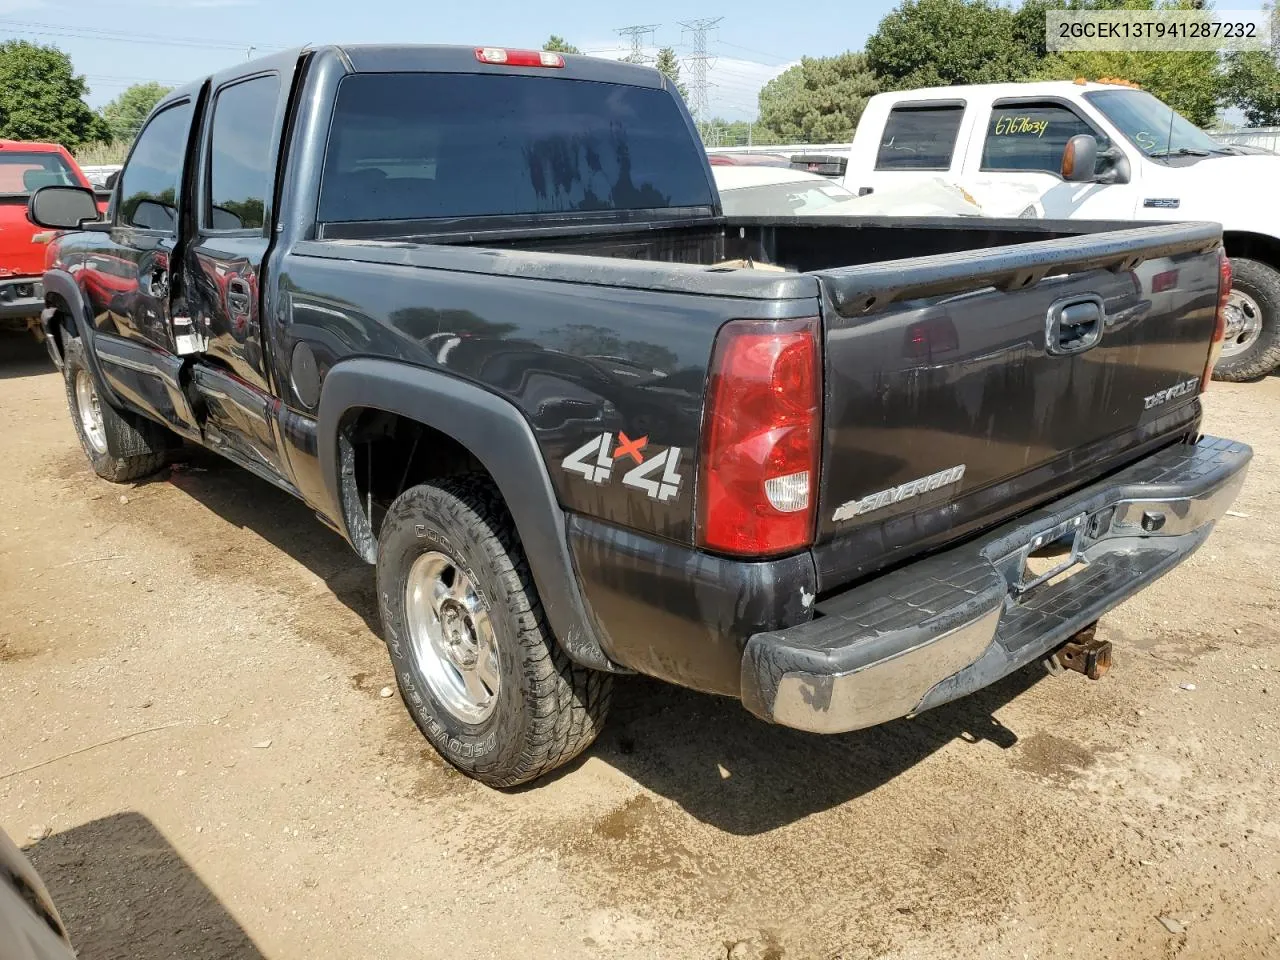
x,y
637,35
699,62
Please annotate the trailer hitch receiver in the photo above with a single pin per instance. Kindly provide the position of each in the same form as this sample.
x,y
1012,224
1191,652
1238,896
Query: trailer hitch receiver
x,y
1083,653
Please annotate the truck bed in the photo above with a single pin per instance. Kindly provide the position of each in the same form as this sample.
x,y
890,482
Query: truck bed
x,y
935,362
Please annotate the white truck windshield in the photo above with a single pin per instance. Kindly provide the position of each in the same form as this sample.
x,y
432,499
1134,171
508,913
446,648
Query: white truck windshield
x,y
1151,125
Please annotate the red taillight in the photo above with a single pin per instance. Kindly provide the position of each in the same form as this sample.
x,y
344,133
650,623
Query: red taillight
x,y
519,58
1220,320
758,478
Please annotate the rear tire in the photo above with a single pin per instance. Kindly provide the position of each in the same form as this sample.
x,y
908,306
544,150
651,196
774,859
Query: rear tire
x,y
1252,349
121,446
476,662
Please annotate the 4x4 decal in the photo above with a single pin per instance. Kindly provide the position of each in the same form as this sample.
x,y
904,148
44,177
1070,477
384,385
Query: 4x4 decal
x,y
657,476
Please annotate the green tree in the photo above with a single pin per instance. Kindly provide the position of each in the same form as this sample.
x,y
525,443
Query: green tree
x,y
818,100
1253,84
558,44
41,98
930,43
669,67
1193,83
1253,79
718,132
125,114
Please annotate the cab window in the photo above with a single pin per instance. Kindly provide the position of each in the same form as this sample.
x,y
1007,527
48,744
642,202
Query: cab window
x,y
1032,136
152,180
919,137
241,173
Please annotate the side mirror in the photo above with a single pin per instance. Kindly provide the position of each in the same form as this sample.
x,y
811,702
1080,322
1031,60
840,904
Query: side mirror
x,y
62,208
1080,159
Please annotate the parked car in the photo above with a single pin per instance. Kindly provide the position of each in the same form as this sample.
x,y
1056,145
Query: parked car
x,y
24,168
763,191
488,320
30,928
1136,159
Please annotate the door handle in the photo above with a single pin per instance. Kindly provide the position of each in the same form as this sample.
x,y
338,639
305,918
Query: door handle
x,y
238,297
1074,325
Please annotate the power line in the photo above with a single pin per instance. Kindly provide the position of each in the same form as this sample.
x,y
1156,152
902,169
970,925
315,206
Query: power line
x,y
698,63
38,28
762,53
637,35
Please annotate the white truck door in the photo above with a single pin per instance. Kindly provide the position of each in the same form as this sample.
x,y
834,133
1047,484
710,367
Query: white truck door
x,y
911,141
1013,164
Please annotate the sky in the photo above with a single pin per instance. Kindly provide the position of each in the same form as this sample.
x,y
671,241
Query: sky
x,y
115,43
755,41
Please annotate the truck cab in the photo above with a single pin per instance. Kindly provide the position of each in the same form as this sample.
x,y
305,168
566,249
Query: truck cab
x,y
1005,144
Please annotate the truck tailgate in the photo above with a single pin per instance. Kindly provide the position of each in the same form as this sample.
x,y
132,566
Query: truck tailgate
x,y
965,388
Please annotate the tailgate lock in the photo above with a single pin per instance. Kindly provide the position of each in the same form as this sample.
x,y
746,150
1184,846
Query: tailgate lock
x,y
1074,325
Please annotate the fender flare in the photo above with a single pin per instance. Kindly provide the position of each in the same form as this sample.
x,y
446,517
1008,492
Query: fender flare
x,y
497,434
60,285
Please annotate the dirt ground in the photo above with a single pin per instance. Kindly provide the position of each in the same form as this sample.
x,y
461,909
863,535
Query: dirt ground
x,y
190,718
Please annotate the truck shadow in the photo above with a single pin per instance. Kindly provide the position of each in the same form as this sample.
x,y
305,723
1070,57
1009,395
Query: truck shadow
x,y
734,772
124,891
285,522
22,356
719,763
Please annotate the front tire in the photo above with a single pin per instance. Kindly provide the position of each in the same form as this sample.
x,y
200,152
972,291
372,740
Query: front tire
x,y
121,447
1251,348
475,660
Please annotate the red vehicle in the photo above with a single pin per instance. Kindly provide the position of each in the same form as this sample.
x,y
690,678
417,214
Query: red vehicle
x,y
24,168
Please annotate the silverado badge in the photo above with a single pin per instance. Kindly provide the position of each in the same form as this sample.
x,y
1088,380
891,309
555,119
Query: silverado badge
x,y
904,491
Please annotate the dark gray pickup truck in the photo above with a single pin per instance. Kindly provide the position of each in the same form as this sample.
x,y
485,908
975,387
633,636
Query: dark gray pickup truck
x,y
481,310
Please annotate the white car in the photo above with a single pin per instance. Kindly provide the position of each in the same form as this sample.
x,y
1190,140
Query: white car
x,y
762,191
1132,158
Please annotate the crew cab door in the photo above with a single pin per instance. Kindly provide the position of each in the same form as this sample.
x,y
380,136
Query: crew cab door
x,y
1014,160
224,261
129,282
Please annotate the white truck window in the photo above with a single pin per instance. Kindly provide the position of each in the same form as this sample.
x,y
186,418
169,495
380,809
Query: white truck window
x,y
1032,136
919,137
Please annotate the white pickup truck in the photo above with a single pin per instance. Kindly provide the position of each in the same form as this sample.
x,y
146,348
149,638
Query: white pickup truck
x,y
1090,151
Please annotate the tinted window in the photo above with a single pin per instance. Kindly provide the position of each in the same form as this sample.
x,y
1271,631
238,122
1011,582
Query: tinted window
x,y
241,175
418,146
1032,137
919,138
24,173
153,176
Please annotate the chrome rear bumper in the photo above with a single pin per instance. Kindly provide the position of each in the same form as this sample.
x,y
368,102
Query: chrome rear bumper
x,y
952,623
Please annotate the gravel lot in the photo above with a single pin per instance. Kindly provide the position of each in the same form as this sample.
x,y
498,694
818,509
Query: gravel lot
x,y
197,756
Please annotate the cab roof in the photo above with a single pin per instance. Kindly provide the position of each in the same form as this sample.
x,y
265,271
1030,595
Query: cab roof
x,y
995,91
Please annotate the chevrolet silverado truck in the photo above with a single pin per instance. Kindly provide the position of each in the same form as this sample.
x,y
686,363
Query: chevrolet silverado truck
x,y
1005,143
480,308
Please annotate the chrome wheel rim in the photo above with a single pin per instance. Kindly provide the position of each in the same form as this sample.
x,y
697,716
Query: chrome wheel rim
x,y
451,637
1244,323
90,411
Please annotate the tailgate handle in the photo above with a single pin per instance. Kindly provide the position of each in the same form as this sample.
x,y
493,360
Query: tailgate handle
x,y
1074,325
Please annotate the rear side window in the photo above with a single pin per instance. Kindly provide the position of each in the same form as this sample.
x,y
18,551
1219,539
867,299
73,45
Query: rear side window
x,y
424,146
25,173
919,138
152,178
1032,137
241,175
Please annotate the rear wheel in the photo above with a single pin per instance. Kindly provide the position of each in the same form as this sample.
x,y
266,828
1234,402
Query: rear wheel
x,y
120,446
1251,342
476,662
